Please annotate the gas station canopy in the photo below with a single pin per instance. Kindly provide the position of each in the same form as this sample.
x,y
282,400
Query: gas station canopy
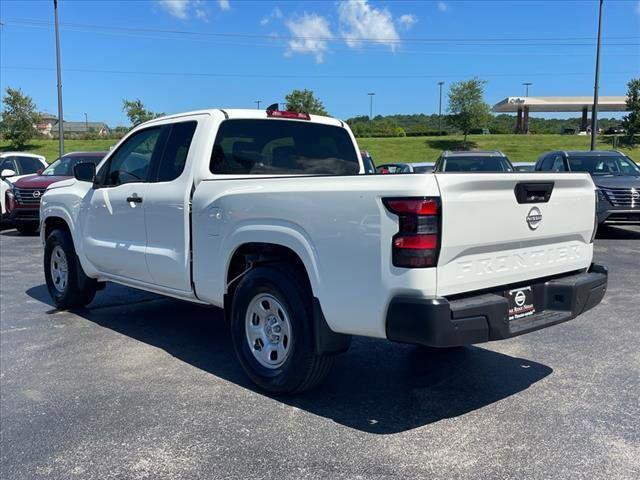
x,y
560,104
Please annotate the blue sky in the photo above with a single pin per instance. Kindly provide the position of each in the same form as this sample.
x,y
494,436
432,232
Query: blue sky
x,y
179,55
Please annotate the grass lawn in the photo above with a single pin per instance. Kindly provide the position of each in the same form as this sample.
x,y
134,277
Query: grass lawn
x,y
49,148
519,148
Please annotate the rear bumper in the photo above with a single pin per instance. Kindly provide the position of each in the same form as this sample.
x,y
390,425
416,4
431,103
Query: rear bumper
x,y
439,322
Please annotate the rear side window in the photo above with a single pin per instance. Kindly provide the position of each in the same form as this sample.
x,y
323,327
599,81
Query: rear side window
x,y
176,150
277,147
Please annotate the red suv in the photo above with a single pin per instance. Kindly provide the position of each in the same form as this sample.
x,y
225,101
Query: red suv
x,y
23,199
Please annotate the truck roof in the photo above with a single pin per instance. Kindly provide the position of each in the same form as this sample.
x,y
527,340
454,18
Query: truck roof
x,y
246,113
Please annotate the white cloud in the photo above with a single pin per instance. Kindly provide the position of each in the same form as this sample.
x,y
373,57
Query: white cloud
x,y
177,8
311,33
443,7
224,5
360,21
183,9
275,14
407,20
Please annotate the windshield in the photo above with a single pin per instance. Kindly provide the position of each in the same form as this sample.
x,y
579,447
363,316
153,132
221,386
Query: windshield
x,y
263,147
609,165
63,167
476,164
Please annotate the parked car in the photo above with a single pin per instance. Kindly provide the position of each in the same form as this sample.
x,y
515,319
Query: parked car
x,y
617,130
23,198
524,166
475,161
275,223
616,177
13,166
367,160
421,167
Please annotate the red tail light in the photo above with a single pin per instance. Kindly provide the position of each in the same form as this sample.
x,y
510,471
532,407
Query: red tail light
x,y
288,114
417,243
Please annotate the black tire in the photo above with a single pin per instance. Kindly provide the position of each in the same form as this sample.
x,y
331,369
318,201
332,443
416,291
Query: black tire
x,y
303,368
27,228
79,289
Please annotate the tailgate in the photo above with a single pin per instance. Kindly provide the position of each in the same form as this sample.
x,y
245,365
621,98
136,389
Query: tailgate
x,y
491,238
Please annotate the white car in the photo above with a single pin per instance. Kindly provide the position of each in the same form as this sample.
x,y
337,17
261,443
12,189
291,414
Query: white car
x,y
269,215
15,165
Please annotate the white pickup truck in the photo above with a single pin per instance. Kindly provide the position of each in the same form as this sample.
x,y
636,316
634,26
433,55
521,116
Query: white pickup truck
x,y
269,215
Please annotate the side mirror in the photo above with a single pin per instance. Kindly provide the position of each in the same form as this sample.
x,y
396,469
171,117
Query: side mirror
x,y
85,171
6,173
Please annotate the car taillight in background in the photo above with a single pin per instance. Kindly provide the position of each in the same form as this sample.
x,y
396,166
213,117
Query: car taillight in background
x,y
417,243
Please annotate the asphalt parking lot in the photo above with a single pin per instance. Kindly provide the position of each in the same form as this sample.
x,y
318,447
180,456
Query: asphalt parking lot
x,y
139,386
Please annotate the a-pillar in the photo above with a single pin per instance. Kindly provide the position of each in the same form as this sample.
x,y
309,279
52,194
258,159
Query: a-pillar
x,y
525,121
585,119
519,121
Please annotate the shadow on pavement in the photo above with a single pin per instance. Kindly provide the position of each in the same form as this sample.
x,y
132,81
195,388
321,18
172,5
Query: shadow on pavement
x,y
377,387
606,232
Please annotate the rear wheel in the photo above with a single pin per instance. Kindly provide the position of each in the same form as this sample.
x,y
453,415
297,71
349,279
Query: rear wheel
x,y
67,283
271,328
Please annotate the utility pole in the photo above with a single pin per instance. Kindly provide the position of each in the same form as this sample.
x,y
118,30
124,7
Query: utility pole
x,y
86,122
60,116
526,88
596,86
257,102
440,108
371,94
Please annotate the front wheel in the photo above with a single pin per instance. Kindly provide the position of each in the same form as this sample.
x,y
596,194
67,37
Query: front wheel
x,y
67,283
271,329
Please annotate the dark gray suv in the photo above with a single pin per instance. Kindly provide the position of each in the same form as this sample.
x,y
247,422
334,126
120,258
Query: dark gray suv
x,y
616,176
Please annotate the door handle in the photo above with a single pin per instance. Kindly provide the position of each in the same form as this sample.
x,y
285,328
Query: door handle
x,y
134,198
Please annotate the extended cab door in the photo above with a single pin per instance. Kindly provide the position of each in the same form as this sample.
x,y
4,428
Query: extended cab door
x,y
166,207
115,237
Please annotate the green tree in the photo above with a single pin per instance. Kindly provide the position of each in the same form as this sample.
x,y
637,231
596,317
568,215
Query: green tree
x,y
467,106
304,101
19,118
137,113
631,122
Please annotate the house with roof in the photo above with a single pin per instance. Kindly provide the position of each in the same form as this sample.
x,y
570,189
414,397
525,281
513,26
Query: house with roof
x,y
82,128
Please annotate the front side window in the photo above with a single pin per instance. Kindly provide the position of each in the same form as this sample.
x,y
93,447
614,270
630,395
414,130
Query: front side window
x,y
280,147
131,162
604,165
7,164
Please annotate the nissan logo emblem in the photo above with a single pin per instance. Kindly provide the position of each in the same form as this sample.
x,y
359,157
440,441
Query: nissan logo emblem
x,y
534,218
520,298
635,194
36,194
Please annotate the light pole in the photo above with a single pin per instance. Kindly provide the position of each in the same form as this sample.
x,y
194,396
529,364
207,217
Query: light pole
x,y
526,88
257,102
594,111
371,94
86,122
60,116
440,108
